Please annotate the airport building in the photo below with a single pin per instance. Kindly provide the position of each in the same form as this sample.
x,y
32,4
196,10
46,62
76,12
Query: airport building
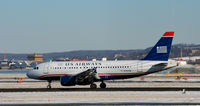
x,y
35,57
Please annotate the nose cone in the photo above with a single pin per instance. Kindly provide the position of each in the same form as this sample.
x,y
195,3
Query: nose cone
x,y
33,74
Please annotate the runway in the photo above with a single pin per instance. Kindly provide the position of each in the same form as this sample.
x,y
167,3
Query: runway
x,y
159,90
100,104
100,89
158,81
100,98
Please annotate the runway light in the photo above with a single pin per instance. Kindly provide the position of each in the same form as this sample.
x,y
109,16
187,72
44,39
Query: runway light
x,y
185,78
19,81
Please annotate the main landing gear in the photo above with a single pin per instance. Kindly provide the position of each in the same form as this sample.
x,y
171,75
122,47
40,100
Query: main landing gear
x,y
49,84
102,85
93,85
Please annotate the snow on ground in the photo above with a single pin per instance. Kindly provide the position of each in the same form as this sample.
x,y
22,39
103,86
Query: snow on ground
x,y
100,97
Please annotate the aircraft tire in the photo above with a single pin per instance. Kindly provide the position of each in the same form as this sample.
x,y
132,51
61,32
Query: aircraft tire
x,y
49,86
93,86
103,85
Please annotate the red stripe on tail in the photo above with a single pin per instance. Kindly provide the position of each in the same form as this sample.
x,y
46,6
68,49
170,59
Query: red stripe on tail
x,y
169,34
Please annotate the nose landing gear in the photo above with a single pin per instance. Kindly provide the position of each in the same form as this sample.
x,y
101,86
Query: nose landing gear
x,y
49,84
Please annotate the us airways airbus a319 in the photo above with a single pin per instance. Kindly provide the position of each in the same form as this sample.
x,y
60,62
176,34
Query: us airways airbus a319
x,y
71,73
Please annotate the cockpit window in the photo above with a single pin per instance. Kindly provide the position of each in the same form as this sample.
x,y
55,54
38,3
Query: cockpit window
x,y
36,68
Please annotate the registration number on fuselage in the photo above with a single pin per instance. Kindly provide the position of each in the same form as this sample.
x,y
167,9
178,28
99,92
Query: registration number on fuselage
x,y
125,70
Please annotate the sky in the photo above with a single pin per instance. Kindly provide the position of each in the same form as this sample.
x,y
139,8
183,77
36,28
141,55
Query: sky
x,y
43,26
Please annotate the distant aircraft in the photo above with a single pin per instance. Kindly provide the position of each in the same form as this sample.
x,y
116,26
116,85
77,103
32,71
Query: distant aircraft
x,y
71,73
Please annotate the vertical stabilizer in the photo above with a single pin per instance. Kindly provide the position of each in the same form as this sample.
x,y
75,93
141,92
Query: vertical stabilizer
x,y
161,51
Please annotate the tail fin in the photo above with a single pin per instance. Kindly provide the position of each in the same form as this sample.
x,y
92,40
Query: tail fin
x,y
160,52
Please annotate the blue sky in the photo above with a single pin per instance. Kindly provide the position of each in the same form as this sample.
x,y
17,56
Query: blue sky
x,y
29,26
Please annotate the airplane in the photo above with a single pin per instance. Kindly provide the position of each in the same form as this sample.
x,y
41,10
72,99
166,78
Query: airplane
x,y
71,73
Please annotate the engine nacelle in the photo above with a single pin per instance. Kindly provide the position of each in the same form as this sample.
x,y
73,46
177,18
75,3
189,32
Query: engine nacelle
x,y
68,80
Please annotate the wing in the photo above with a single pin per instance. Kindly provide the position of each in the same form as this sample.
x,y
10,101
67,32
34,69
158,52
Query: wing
x,y
83,78
86,77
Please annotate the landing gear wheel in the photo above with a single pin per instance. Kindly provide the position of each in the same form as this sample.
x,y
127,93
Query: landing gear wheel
x,y
103,85
93,86
49,84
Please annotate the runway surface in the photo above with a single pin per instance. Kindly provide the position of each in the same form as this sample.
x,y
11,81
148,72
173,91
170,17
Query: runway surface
x,y
100,89
101,98
99,104
151,90
160,81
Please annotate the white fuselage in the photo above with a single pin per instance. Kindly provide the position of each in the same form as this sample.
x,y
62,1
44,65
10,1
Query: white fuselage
x,y
105,69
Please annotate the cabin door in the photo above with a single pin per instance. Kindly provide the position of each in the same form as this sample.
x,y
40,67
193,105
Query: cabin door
x,y
139,67
46,68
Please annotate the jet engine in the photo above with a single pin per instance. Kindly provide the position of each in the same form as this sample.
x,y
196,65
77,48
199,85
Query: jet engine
x,y
68,80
